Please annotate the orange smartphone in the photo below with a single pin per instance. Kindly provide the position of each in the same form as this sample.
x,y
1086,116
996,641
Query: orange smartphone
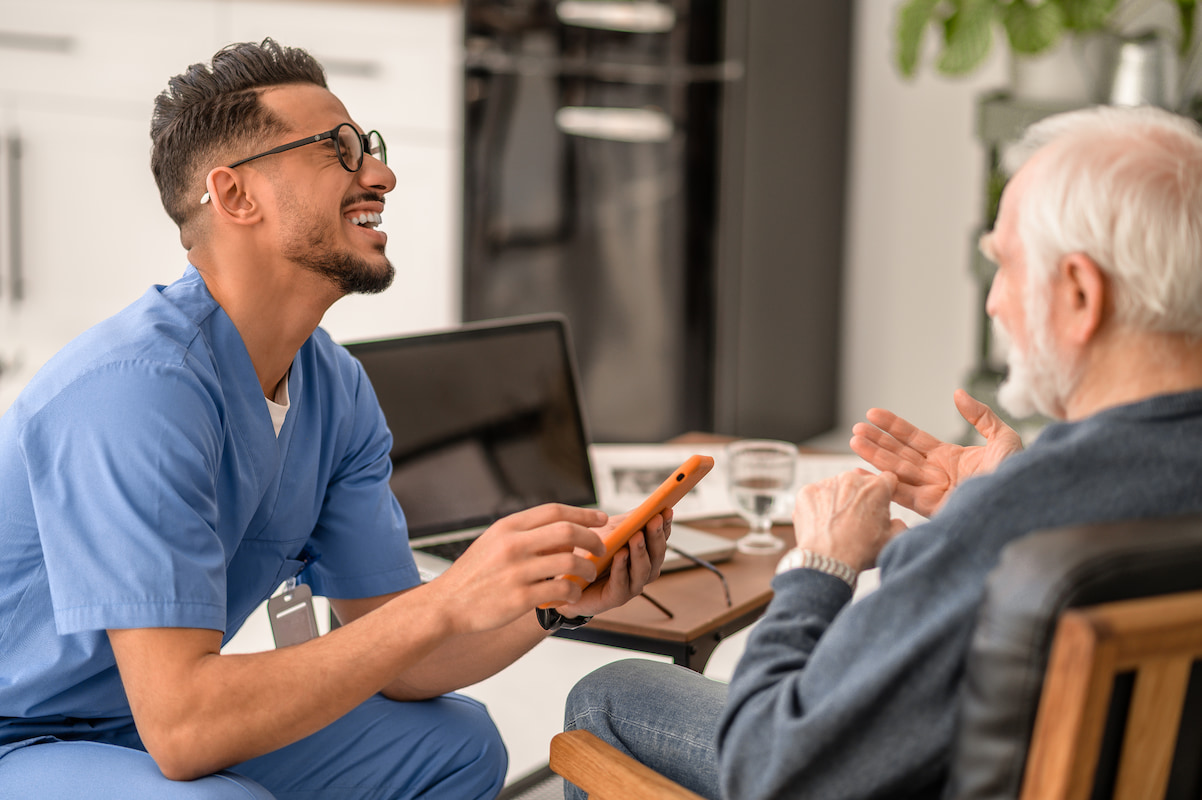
x,y
674,487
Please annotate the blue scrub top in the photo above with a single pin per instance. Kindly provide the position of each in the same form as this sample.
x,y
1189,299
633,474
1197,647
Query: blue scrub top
x,y
142,485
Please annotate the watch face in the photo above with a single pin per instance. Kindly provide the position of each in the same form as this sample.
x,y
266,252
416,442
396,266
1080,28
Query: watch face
x,y
549,618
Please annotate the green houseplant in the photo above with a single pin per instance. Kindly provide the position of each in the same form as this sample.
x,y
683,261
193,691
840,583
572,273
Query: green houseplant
x,y
967,27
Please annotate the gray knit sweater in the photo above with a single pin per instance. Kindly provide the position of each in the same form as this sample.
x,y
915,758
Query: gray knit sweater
x,y
840,701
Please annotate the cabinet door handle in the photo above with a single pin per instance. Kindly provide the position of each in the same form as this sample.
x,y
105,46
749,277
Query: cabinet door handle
x,y
627,16
16,275
36,42
616,124
351,67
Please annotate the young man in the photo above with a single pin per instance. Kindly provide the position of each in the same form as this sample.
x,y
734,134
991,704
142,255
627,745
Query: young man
x,y
170,468
1099,285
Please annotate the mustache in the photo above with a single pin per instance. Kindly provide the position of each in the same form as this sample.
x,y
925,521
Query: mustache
x,y
364,197
1002,337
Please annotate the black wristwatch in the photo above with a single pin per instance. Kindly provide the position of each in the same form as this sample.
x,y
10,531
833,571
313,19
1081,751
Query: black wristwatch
x,y
552,620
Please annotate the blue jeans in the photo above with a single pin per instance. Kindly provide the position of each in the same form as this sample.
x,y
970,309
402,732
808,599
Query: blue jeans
x,y
662,715
445,748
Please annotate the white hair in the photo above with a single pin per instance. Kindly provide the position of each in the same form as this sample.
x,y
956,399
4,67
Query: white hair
x,y
1124,187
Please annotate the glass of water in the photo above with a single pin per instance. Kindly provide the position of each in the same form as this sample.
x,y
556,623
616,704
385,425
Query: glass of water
x,y
760,476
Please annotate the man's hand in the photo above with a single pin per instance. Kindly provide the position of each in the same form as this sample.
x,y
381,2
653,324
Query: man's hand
x,y
516,565
634,566
847,517
929,469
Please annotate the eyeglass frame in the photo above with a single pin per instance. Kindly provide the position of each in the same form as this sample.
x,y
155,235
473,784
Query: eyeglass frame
x,y
331,134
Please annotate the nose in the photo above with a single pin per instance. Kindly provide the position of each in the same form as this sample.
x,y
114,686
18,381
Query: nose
x,y
998,287
376,175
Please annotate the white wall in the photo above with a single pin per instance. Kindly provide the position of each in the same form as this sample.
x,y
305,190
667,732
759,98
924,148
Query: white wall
x,y
916,180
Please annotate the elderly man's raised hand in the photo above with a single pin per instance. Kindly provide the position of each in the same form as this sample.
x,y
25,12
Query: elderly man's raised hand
x,y
929,469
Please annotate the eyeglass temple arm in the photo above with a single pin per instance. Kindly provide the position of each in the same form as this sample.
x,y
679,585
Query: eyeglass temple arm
x,y
285,147
701,562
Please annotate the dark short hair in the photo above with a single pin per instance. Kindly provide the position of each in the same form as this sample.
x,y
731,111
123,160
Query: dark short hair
x,y
211,110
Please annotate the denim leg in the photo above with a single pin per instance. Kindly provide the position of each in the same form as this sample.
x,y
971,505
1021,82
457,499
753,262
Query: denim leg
x,y
662,715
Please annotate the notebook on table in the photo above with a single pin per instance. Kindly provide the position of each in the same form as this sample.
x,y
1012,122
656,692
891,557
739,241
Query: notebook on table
x,y
487,420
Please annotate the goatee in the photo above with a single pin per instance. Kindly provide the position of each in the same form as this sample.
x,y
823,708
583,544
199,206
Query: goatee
x,y
352,275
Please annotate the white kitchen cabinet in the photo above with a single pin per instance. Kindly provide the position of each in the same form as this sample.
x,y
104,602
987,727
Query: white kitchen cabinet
x,y
83,233
81,226
94,235
100,54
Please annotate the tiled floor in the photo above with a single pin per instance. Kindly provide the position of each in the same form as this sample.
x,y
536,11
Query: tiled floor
x,y
527,699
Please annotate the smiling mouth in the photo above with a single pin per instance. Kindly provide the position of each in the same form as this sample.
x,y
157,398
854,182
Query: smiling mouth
x,y
365,219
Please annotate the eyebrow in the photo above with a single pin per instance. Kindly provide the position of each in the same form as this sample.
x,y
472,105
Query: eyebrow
x,y
986,246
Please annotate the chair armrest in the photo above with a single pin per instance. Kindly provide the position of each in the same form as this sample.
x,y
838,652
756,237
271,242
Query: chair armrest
x,y
608,774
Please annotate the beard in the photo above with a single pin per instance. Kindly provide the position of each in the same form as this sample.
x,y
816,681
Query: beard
x,y
310,247
1037,381
350,273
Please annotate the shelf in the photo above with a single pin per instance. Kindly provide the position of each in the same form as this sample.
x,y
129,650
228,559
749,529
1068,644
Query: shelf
x,y
1002,118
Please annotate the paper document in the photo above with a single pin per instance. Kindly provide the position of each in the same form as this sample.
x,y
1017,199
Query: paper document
x,y
626,473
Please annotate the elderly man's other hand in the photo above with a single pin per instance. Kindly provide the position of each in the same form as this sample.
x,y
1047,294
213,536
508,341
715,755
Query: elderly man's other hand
x,y
847,517
929,469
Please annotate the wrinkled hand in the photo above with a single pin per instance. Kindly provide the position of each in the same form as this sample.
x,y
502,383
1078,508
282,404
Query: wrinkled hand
x,y
929,469
516,564
847,517
634,566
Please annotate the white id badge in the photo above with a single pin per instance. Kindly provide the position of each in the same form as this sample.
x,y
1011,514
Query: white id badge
x,y
292,617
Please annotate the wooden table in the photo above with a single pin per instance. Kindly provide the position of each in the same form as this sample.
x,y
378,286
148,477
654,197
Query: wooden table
x,y
700,617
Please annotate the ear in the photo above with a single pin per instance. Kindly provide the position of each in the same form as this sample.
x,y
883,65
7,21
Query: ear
x,y
231,198
1082,295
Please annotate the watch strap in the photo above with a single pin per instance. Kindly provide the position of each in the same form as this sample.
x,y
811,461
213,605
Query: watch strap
x,y
808,559
552,620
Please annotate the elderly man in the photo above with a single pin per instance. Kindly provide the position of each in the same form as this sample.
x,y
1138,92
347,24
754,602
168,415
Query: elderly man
x,y
171,467
1098,245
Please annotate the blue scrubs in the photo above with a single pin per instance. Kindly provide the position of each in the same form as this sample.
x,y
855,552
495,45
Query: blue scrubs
x,y
143,485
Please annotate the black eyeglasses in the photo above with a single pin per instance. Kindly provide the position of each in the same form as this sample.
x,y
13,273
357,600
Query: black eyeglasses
x,y
701,562
349,145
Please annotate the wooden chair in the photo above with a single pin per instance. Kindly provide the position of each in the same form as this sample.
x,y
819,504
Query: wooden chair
x,y
1157,640
1083,660
607,773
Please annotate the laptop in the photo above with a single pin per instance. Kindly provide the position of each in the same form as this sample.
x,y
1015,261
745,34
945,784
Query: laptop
x,y
486,420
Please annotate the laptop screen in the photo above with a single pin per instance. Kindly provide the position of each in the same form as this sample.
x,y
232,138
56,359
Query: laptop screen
x,y
486,420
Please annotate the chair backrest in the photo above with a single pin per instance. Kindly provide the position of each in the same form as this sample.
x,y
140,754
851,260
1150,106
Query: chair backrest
x,y
1157,640
1039,579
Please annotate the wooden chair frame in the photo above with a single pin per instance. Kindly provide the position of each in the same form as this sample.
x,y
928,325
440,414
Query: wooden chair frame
x,y
1157,638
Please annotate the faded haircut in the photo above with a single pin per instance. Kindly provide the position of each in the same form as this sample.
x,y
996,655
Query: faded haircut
x,y
211,112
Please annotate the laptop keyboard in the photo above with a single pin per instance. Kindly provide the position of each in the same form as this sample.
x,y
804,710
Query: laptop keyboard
x,y
448,550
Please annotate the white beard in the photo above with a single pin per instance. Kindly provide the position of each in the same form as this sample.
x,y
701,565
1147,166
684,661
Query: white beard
x,y
1036,381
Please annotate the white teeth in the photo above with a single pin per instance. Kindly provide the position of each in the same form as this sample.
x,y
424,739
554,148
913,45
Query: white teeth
x,y
366,218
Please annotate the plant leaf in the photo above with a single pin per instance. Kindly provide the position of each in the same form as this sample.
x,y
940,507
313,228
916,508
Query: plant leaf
x,y
1086,15
1032,28
1185,14
912,21
967,36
